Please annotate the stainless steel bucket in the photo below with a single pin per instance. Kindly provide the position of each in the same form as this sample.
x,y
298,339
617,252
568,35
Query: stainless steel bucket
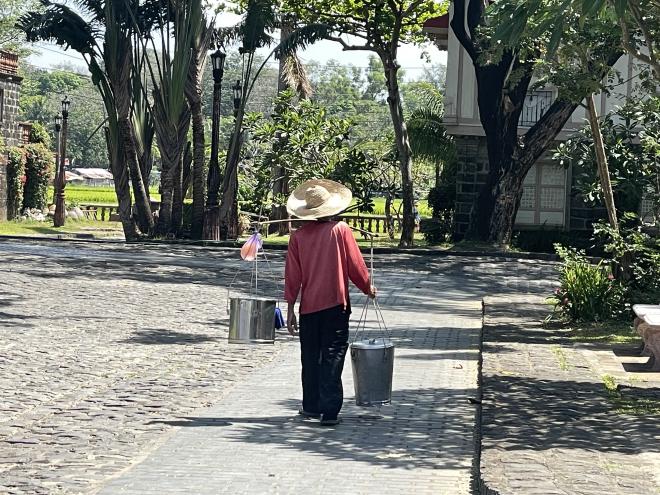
x,y
373,366
251,320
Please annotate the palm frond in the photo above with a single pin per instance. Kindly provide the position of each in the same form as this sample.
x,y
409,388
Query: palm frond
x,y
61,25
260,20
295,76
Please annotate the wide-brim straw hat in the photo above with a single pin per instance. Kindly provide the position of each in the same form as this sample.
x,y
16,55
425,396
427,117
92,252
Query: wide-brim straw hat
x,y
319,198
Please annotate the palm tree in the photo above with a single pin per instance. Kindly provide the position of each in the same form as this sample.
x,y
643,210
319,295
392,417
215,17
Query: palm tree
x,y
428,138
173,23
104,41
201,41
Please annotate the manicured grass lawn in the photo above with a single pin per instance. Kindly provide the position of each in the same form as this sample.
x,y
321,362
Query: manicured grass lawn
x,y
31,228
609,332
379,207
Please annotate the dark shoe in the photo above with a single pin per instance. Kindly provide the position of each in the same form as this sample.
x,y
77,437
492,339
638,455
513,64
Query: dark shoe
x,y
307,414
326,421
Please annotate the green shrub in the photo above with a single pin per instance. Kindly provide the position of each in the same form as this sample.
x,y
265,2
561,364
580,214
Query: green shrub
x,y
39,162
39,135
588,292
15,181
635,258
437,230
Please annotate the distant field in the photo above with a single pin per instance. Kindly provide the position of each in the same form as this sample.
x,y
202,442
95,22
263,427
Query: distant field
x,y
90,194
106,195
31,227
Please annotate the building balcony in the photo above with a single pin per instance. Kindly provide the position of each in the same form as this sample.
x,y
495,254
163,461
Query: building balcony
x,y
535,105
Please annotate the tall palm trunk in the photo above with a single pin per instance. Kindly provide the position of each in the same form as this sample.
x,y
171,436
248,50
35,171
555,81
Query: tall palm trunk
x,y
194,89
120,176
403,148
280,177
171,142
120,81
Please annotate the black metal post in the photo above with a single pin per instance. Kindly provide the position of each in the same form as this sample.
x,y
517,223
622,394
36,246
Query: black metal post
x,y
211,217
60,210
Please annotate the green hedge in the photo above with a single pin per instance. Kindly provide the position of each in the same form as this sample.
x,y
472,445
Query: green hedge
x,y
39,161
15,181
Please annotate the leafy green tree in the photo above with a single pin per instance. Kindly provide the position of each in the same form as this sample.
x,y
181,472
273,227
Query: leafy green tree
x,y
504,73
628,134
11,37
638,23
378,27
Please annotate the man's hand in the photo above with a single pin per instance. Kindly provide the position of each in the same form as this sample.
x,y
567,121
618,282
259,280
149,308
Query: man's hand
x,y
291,321
372,292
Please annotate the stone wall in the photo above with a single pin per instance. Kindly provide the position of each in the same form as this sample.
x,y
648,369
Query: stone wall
x,y
10,129
472,174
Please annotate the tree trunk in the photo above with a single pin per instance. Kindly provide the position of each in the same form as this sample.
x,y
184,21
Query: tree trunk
x,y
404,151
199,159
279,174
389,224
228,204
601,161
177,200
120,176
121,86
171,142
145,218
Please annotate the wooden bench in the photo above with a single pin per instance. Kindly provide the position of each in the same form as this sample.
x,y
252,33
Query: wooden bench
x,y
647,325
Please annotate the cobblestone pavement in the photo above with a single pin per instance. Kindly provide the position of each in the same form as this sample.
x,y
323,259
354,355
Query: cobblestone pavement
x,y
548,426
109,351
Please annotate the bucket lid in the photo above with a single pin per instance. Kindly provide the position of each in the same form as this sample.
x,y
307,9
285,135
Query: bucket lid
x,y
372,344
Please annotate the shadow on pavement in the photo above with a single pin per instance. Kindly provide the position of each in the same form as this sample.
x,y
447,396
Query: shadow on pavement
x,y
427,429
531,414
158,336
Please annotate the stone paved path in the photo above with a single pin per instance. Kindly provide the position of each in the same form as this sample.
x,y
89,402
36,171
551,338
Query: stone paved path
x,y
109,351
548,425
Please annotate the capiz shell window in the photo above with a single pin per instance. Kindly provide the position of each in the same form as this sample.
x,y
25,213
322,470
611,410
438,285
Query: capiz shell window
x,y
543,200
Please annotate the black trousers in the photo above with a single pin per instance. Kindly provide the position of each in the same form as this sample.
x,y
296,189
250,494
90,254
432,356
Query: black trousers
x,y
323,346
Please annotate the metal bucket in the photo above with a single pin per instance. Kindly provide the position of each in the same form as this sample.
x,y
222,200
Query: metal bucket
x,y
251,320
373,366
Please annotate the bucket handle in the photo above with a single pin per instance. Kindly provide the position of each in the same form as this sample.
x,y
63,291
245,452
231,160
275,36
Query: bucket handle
x,y
380,320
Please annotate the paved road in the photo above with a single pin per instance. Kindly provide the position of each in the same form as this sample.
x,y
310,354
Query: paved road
x,y
115,375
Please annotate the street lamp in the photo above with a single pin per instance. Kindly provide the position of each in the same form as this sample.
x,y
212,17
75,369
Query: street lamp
x,y
58,128
60,213
237,90
211,217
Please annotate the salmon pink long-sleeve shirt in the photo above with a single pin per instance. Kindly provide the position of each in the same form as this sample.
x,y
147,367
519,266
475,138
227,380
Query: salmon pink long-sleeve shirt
x,y
321,259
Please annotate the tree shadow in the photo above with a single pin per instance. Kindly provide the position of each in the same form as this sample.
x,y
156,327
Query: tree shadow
x,y
161,336
427,430
526,413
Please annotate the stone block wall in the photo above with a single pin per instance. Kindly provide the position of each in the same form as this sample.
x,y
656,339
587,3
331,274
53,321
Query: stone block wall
x,y
10,129
472,174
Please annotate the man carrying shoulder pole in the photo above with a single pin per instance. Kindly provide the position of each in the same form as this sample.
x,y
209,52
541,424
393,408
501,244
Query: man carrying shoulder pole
x,y
322,257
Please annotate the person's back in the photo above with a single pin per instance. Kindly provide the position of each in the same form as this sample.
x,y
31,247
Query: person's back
x,y
324,256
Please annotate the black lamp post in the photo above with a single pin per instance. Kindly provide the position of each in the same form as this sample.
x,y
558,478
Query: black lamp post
x,y
213,180
237,90
60,213
58,128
